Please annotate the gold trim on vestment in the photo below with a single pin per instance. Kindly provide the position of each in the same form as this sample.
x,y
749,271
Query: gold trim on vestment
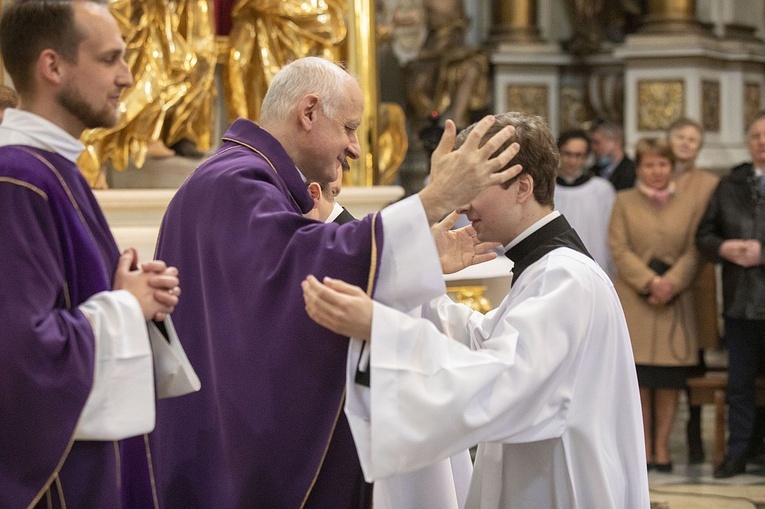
x,y
266,159
154,496
60,490
71,199
29,186
324,454
54,476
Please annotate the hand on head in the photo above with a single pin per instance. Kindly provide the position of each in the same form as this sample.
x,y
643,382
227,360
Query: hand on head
x,y
458,176
342,308
460,248
154,284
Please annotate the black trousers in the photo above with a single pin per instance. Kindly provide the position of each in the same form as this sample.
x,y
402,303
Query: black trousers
x,y
745,340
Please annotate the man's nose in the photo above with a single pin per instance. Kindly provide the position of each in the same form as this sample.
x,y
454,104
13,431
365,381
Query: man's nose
x,y
354,149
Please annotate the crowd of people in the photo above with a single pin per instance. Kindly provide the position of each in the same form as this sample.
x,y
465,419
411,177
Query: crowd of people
x,y
313,354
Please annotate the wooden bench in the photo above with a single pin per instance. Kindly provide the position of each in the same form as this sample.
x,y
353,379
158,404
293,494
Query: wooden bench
x,y
710,390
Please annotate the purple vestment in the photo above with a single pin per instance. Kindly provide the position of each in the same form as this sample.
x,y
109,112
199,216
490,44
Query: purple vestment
x,y
57,251
267,429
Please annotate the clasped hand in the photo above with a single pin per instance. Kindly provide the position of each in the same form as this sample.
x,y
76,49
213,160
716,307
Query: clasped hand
x,y
153,284
743,252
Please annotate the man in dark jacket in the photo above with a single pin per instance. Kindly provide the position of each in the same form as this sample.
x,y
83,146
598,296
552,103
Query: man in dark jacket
x,y
607,143
732,232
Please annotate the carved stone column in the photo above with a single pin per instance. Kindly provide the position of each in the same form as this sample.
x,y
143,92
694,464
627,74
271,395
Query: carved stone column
x,y
671,16
515,21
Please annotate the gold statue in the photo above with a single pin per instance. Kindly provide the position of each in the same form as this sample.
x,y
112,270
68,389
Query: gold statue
x,y
171,53
267,34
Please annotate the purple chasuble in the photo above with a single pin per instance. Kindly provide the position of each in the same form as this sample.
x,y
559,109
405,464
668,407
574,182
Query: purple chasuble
x,y
57,251
267,429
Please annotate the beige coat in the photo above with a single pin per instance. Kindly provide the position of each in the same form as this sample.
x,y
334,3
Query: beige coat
x,y
661,335
701,184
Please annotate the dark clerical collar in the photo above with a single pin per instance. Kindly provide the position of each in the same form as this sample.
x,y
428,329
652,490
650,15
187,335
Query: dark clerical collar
x,y
581,179
557,233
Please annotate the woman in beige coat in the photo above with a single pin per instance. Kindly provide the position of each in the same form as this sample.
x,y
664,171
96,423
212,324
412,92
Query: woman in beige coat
x,y
651,236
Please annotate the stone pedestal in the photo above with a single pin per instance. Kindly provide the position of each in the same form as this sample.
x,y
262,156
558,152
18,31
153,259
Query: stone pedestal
x,y
527,79
720,83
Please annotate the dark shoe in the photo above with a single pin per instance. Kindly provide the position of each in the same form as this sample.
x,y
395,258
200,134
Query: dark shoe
x,y
186,148
729,468
649,466
695,456
664,468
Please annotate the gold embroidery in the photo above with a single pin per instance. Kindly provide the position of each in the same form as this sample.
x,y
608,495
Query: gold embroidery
x,y
117,460
49,499
370,289
71,199
29,186
261,154
324,454
373,260
60,492
151,472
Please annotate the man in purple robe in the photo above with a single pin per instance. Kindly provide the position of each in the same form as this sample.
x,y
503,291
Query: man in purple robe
x,y
74,311
267,430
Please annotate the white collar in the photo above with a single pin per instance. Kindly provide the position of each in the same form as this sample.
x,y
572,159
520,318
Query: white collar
x,y
21,127
337,209
531,229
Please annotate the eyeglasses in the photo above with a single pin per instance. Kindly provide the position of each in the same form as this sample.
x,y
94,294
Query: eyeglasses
x,y
574,155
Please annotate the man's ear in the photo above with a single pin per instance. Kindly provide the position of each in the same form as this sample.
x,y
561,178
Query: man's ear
x,y
314,189
525,187
49,66
308,109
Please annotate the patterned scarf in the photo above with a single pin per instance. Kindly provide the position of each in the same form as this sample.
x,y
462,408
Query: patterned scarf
x,y
658,197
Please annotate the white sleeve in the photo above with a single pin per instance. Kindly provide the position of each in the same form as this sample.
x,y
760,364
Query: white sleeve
x,y
121,402
410,271
432,396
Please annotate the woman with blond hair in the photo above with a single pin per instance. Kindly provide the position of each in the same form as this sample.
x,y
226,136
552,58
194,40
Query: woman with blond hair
x,y
686,137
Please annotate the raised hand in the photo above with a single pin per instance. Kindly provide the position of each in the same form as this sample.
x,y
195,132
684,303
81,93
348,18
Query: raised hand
x,y
460,248
342,308
457,176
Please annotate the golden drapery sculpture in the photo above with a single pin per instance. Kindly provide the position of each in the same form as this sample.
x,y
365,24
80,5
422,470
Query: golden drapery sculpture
x,y
447,76
266,34
171,53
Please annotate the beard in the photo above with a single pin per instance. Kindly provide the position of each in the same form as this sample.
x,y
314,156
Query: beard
x,y
71,99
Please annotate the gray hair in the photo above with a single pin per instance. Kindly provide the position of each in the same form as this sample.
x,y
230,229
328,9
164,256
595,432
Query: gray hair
x,y
309,75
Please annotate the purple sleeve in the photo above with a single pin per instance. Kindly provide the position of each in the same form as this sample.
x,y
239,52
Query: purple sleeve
x,y
47,348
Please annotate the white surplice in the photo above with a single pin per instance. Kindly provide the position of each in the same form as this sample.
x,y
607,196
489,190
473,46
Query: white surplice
x,y
588,210
545,384
408,277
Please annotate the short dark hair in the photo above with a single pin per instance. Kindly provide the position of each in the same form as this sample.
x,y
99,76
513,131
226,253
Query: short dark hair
x,y
573,134
538,153
28,27
657,146
612,130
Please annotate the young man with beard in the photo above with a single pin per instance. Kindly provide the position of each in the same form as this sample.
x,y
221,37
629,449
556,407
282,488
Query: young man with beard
x,y
74,315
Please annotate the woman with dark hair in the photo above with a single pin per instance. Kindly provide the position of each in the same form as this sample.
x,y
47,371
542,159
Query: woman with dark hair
x,y
651,236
